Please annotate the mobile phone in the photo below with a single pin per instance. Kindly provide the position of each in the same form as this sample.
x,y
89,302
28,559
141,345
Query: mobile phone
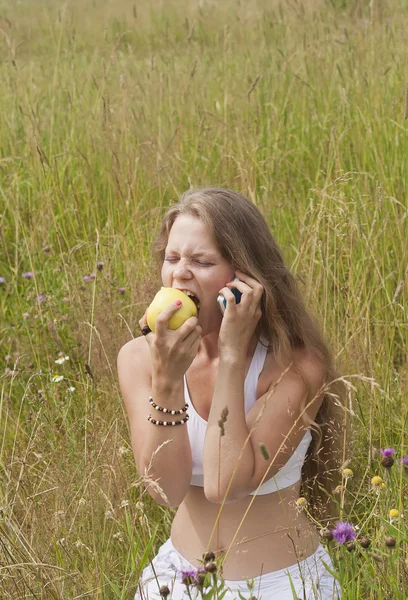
x,y
222,301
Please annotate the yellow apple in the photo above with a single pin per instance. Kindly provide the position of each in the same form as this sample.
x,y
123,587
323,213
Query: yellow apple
x,y
162,300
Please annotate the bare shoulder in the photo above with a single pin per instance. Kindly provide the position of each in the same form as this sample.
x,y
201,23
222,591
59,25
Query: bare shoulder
x,y
134,371
136,349
305,362
311,365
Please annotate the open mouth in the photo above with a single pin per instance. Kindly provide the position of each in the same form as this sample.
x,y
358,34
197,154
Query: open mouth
x,y
196,302
193,298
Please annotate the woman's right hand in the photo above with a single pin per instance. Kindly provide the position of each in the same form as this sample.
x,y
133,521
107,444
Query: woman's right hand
x,y
172,350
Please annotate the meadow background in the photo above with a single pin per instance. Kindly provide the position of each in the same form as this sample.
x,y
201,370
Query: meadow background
x,y
109,110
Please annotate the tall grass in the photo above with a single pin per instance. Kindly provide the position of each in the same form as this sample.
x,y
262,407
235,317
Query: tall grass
x,y
108,111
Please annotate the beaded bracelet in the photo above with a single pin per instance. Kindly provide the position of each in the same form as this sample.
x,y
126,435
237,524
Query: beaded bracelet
x,y
168,410
165,423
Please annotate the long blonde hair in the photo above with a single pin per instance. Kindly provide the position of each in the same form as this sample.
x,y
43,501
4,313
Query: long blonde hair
x,y
245,241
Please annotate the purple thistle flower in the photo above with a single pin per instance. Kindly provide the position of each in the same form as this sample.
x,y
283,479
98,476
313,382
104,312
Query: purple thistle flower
x,y
190,576
41,298
2,280
100,265
86,278
28,275
387,451
121,290
92,276
344,532
404,461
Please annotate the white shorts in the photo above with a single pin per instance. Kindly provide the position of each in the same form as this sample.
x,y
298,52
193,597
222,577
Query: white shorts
x,y
310,579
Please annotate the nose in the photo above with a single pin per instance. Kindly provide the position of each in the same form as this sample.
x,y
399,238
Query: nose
x,y
181,269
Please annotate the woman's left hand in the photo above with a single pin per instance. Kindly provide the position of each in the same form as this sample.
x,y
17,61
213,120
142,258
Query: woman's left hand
x,y
240,320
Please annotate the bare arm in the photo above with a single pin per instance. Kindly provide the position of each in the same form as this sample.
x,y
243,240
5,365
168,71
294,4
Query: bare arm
x,y
228,392
275,422
280,427
162,454
154,366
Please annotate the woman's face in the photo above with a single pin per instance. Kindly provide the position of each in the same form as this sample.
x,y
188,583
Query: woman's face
x,y
193,262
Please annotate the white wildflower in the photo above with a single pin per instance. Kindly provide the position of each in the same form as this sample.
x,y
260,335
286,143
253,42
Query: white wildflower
x,y
61,360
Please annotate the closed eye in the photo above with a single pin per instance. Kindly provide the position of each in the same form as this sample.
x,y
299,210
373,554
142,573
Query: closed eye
x,y
202,264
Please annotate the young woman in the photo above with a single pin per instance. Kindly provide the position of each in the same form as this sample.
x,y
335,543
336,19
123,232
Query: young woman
x,y
254,394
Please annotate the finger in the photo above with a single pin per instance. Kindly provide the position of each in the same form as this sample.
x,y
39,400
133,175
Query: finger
x,y
194,338
254,287
187,327
251,281
246,294
163,317
240,285
194,346
229,297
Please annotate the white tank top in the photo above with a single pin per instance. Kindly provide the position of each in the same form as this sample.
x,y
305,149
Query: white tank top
x,y
289,474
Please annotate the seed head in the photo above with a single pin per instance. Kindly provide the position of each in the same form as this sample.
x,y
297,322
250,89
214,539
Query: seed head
x,y
390,541
164,591
222,420
211,567
326,534
351,546
348,473
387,457
365,542
208,557
187,579
301,503
387,462
264,451
376,481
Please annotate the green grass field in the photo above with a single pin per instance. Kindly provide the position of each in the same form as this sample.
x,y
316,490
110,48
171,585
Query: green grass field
x,y
109,111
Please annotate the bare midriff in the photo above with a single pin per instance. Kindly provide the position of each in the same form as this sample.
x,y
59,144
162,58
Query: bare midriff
x,y
274,534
